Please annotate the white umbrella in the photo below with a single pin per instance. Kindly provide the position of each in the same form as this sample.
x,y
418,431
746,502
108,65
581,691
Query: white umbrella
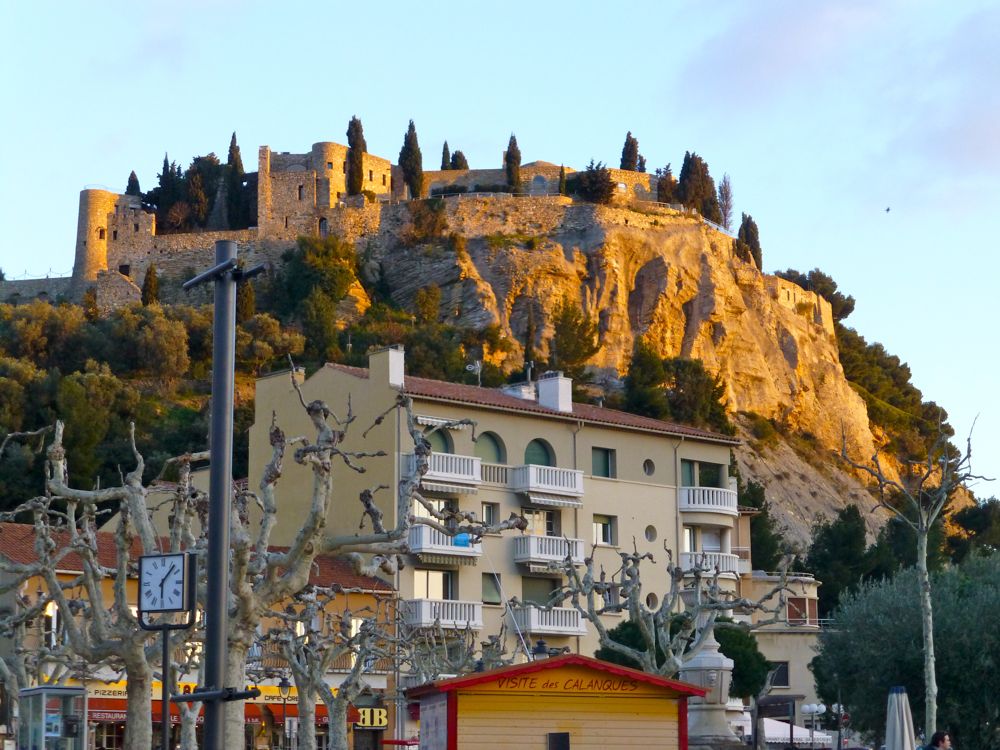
x,y
777,733
899,733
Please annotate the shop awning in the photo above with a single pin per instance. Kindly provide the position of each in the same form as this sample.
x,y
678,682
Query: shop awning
x,y
252,714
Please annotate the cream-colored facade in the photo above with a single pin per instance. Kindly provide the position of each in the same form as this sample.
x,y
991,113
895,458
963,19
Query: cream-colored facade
x,y
574,471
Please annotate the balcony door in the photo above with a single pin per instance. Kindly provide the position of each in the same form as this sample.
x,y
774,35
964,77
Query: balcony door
x,y
541,522
433,584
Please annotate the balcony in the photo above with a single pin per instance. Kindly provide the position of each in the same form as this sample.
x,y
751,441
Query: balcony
x,y
745,564
424,540
726,563
535,550
548,485
556,621
450,614
449,472
707,500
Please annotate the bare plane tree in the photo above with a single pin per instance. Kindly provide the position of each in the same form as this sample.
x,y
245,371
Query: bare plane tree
x,y
918,499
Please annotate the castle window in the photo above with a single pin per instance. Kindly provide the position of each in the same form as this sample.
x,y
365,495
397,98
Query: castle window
x,y
329,165
114,234
101,233
345,166
135,227
371,176
302,191
286,222
125,270
322,228
383,180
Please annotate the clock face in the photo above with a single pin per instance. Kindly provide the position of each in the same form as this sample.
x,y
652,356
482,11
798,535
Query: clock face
x,y
162,581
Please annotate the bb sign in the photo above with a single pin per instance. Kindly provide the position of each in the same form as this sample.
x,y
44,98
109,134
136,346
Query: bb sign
x,y
372,718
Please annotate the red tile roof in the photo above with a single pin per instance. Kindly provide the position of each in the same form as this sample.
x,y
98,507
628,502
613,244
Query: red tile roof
x,y
17,542
493,398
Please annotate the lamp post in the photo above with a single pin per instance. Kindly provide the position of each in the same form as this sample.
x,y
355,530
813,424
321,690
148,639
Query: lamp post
x,y
284,687
812,710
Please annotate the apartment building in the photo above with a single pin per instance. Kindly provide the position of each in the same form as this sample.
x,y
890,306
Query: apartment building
x,y
585,478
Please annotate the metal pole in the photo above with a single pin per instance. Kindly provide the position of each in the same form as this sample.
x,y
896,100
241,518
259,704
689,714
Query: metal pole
x,y
220,489
164,693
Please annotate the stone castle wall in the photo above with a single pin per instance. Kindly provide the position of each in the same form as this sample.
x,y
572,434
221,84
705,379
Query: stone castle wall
x,y
790,295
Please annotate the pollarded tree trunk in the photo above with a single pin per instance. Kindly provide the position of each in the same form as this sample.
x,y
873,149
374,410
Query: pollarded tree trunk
x,y
307,717
337,739
927,618
236,677
138,721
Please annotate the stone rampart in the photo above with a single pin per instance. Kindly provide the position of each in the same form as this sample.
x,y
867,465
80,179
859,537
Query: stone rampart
x,y
790,295
24,290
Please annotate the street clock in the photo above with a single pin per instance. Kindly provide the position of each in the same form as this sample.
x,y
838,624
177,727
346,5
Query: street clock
x,y
164,583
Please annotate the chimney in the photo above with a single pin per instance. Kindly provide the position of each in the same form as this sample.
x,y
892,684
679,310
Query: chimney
x,y
555,391
386,366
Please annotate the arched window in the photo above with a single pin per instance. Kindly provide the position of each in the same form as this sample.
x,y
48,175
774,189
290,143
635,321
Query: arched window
x,y
490,448
322,228
440,441
540,453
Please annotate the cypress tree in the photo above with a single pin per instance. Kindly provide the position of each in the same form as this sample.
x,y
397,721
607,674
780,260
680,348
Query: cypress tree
x,y
150,287
197,198
458,161
133,185
412,163
355,159
666,185
246,301
642,164
749,236
236,203
512,163
726,202
630,153
445,158
696,189
562,179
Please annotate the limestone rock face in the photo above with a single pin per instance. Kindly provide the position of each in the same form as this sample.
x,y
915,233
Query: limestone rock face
x,y
652,273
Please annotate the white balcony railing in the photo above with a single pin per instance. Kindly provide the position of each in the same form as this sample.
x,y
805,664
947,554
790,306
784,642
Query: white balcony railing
x,y
449,468
424,613
708,500
546,549
495,474
546,479
727,563
425,540
556,621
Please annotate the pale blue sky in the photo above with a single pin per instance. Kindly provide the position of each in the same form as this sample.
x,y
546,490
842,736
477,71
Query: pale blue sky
x,y
823,114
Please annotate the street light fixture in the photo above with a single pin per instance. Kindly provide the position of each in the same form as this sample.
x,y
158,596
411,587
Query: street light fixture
x,y
284,688
813,710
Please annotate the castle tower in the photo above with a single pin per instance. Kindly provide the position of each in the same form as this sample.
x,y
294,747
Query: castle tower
x,y
92,236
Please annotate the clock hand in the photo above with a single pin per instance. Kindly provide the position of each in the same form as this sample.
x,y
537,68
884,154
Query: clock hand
x,y
164,579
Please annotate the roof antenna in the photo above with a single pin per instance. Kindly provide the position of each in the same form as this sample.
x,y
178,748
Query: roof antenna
x,y
476,367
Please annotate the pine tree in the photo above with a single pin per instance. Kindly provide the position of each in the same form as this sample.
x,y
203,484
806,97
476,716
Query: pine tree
x,y
150,287
630,153
133,185
726,202
594,184
750,237
666,185
236,203
458,161
411,162
512,163
562,179
445,158
355,156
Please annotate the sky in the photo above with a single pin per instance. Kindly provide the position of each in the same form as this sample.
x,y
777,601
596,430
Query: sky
x,y
823,115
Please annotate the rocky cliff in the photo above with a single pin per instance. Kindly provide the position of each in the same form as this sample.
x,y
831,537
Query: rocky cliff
x,y
655,273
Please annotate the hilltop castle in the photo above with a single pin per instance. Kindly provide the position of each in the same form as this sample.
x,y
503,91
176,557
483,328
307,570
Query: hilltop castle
x,y
297,194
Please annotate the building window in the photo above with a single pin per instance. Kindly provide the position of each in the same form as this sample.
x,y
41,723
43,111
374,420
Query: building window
x,y
541,522
648,467
537,591
605,531
53,625
371,176
345,166
802,611
490,448
557,741
701,474
383,180
491,589
780,674
135,227
440,441
329,165
711,540
114,234
101,233
286,222
603,462
302,191
433,584
125,269
441,505
539,453
689,539
491,512
322,228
